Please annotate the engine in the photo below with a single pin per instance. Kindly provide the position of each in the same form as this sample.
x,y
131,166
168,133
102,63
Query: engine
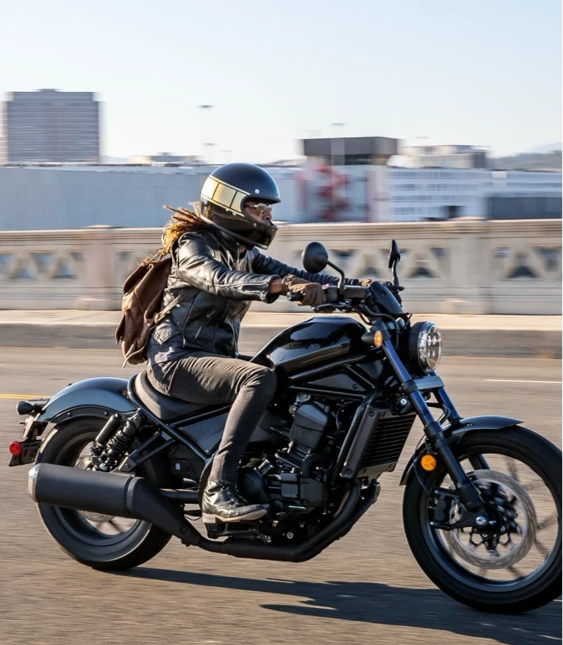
x,y
297,477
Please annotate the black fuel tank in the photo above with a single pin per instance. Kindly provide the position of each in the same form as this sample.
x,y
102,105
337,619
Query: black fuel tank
x,y
312,341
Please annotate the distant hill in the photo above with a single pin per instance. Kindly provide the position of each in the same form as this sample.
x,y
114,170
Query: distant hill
x,y
528,161
548,147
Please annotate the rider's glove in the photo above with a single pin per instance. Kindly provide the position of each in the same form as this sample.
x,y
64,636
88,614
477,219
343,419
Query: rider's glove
x,y
312,293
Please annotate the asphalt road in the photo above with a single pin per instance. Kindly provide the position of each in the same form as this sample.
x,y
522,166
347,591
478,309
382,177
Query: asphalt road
x,y
364,589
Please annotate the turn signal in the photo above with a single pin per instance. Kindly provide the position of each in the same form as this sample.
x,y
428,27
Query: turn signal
x,y
428,462
378,339
15,448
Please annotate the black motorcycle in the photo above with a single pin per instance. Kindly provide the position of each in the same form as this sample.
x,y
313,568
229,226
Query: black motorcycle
x,y
123,467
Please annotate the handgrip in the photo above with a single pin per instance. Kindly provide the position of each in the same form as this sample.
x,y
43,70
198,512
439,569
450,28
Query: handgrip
x,y
292,296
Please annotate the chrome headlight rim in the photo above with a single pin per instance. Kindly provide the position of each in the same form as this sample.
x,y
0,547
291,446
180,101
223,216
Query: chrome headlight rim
x,y
426,345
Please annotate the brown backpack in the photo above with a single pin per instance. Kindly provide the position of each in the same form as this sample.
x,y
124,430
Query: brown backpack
x,y
140,304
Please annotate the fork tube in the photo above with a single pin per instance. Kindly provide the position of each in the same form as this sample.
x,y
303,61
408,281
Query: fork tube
x,y
443,398
467,493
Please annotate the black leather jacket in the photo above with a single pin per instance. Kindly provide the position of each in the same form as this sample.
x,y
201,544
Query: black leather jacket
x,y
216,281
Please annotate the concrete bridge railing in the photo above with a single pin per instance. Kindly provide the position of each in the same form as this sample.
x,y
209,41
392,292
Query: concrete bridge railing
x,y
461,266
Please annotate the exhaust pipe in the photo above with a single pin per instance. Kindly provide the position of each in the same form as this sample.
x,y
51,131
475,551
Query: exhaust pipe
x,y
109,494
135,497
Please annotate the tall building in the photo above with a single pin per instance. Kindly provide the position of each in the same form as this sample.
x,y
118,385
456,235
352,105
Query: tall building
x,y
49,125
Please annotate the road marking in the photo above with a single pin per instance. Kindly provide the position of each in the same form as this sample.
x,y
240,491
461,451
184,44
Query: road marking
x,y
508,380
24,396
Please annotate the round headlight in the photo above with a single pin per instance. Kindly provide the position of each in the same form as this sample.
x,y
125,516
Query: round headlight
x,y
428,345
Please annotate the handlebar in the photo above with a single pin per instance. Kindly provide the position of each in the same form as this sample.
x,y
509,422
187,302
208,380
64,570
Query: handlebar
x,y
385,296
332,295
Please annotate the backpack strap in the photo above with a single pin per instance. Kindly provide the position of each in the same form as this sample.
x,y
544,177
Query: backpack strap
x,y
166,310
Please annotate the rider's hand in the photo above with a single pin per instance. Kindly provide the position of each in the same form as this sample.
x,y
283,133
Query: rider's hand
x,y
366,282
312,293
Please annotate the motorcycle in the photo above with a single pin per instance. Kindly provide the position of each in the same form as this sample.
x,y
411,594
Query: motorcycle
x,y
122,467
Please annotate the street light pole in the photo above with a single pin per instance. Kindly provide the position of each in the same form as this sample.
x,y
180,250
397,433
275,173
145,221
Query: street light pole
x,y
206,144
333,156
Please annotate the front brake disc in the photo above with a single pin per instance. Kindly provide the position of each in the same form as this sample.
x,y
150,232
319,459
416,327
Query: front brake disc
x,y
478,554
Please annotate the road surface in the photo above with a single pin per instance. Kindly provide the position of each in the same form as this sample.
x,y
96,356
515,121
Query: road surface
x,y
364,589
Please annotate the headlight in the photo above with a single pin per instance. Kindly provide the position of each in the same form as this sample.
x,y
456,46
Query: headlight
x,y
425,346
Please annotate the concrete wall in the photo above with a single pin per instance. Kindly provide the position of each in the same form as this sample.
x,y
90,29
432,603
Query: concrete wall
x,y
460,266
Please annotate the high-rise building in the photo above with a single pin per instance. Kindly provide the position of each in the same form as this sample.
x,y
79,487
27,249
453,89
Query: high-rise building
x,y
49,125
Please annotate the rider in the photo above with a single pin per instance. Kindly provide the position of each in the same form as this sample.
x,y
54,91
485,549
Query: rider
x,y
217,270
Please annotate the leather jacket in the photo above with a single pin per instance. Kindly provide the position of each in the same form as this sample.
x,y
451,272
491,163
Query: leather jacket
x,y
215,279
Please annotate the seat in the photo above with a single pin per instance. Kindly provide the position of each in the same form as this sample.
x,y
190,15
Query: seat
x,y
164,407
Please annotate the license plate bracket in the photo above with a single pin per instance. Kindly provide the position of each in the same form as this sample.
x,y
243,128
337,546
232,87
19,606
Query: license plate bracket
x,y
28,453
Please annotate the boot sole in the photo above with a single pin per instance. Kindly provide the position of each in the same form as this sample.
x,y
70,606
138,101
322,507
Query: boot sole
x,y
253,515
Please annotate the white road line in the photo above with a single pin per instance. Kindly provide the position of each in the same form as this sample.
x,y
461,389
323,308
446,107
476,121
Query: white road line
x,y
508,380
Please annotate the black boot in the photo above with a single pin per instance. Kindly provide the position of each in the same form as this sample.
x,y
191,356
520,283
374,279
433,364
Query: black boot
x,y
223,501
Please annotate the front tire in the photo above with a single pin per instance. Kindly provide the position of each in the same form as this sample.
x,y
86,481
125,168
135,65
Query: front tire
x,y
75,532
456,577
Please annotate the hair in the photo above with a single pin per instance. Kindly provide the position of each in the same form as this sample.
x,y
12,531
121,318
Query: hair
x,y
183,221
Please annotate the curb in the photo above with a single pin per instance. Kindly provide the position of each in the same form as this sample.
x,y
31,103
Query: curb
x,y
521,343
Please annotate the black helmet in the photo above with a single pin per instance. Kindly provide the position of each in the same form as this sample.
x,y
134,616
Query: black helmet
x,y
223,197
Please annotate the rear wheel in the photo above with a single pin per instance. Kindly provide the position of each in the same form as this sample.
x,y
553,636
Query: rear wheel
x,y
99,541
514,567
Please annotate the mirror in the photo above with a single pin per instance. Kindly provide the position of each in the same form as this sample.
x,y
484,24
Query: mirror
x,y
394,254
314,257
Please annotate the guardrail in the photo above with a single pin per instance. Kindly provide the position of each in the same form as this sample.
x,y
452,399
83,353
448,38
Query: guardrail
x,y
468,266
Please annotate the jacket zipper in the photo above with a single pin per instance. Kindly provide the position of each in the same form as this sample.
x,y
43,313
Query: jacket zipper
x,y
203,323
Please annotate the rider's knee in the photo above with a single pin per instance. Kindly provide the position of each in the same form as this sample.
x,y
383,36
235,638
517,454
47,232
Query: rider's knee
x,y
266,379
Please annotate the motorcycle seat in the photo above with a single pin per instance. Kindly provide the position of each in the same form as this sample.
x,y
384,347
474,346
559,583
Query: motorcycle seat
x,y
164,407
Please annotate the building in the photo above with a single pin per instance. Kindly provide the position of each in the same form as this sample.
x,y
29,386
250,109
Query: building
x,y
460,157
47,197
432,194
350,151
75,196
50,126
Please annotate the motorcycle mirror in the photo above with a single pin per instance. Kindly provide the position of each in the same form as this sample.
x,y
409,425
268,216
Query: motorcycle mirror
x,y
394,254
314,257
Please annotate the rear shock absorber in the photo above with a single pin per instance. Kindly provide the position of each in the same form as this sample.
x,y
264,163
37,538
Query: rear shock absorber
x,y
120,442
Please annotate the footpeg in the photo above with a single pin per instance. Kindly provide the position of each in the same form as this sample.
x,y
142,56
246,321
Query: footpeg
x,y
216,528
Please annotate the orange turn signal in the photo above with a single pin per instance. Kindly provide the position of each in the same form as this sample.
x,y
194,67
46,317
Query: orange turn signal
x,y
428,462
378,339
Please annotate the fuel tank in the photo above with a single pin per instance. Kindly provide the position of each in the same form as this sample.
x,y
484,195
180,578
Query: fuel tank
x,y
313,341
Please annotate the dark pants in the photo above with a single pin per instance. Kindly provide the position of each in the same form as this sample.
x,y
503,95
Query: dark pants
x,y
216,380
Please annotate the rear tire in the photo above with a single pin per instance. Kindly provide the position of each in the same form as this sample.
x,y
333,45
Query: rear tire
x,y
539,455
74,535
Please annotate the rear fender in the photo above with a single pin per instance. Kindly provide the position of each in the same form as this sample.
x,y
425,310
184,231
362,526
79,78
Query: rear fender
x,y
95,397
454,434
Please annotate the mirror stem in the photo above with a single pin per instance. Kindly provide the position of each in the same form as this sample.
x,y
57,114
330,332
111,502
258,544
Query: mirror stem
x,y
395,276
341,279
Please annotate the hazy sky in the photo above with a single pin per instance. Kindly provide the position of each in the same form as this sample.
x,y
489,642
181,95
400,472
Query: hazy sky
x,y
484,72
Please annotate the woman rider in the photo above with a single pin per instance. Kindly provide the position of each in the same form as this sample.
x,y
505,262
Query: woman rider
x,y
217,271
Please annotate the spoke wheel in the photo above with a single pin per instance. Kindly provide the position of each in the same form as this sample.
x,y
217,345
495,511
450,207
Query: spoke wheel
x,y
514,564
100,541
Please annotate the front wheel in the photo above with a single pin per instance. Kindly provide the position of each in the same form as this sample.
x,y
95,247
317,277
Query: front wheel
x,y
514,567
99,541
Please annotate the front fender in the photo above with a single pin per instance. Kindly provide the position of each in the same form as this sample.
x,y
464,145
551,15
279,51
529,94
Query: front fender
x,y
91,397
456,432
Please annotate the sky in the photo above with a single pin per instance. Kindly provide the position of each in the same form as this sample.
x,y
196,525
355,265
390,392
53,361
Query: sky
x,y
483,72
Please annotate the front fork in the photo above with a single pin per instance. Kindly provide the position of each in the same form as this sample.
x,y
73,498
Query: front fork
x,y
468,495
